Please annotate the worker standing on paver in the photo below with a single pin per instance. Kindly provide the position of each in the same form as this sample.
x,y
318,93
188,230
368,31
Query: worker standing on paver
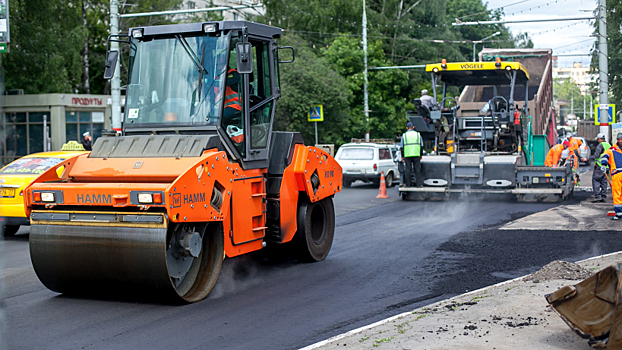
x,y
411,146
612,160
599,179
554,157
427,100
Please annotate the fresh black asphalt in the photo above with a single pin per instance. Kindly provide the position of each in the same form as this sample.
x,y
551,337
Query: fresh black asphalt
x,y
388,257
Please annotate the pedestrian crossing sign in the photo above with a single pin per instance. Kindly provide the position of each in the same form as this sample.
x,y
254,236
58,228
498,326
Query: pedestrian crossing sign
x,y
600,110
316,113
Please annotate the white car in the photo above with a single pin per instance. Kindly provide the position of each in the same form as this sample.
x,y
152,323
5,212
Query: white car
x,y
584,149
366,161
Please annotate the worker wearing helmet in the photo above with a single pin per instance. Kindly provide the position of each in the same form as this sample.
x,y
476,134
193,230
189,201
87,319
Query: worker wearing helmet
x,y
612,161
575,155
411,146
427,100
599,179
554,157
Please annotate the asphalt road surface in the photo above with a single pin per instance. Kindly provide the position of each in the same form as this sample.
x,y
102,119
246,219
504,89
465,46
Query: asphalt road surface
x,y
389,256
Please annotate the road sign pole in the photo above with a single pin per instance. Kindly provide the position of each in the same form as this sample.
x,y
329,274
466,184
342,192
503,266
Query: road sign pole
x,y
316,142
603,88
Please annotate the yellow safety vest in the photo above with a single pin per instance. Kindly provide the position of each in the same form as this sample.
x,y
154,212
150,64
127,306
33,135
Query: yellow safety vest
x,y
412,143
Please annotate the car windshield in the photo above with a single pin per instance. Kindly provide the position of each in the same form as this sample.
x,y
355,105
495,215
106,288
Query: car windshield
x,y
30,166
176,80
353,153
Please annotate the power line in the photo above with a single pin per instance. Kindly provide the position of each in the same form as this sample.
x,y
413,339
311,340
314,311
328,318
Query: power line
x,y
492,9
391,38
558,28
578,42
534,7
477,23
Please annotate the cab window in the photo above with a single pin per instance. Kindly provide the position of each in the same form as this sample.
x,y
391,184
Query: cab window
x,y
260,92
233,101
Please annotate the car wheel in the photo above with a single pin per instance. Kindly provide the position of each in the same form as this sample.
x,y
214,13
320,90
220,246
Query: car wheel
x,y
388,180
10,230
347,183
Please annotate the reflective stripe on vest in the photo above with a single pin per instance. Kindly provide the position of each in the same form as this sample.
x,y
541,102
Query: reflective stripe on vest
x,y
606,146
232,99
412,144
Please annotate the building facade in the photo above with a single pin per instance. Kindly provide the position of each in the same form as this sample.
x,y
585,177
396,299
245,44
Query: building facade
x,y
67,116
578,74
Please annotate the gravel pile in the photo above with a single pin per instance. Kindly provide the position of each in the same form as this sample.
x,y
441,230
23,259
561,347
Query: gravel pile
x,y
559,270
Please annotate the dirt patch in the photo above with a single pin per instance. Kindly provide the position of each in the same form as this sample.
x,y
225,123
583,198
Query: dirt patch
x,y
558,270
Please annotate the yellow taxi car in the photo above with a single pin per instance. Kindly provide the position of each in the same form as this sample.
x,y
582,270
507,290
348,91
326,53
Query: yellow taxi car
x,y
16,176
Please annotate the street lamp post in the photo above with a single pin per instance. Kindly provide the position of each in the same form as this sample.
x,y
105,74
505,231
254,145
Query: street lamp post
x,y
481,41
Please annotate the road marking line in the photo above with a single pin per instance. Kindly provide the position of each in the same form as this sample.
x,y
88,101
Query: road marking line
x,y
364,328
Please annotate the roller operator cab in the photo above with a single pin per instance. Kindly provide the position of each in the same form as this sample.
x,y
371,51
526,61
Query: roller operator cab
x,y
479,148
197,175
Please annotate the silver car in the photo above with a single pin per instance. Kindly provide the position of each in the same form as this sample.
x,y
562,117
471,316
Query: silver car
x,y
584,149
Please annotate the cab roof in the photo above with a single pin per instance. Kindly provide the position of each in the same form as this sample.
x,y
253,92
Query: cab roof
x,y
190,28
478,73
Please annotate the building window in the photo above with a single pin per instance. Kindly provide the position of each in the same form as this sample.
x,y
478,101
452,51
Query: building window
x,y
191,5
21,134
77,123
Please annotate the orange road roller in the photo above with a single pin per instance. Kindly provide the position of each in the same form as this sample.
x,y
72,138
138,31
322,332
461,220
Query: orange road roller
x,y
196,175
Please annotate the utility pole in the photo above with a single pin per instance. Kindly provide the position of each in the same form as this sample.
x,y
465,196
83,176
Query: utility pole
x,y
365,95
603,69
115,82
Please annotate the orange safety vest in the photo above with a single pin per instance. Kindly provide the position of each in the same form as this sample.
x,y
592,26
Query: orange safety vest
x,y
574,146
232,98
613,157
554,155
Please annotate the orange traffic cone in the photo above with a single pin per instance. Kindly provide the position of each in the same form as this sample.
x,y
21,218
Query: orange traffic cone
x,y
382,192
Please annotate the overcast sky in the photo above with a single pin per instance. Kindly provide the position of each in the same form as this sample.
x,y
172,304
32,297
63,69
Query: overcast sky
x,y
570,40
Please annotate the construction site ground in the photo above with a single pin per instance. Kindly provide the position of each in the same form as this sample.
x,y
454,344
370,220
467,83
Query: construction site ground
x,y
509,315
389,257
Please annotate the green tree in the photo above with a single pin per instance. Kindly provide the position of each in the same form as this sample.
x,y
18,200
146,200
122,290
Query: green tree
x,y
46,45
567,90
614,46
311,80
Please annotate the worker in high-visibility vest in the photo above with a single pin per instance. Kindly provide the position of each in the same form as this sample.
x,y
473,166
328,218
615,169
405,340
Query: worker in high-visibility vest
x,y
412,146
232,110
599,179
554,157
612,161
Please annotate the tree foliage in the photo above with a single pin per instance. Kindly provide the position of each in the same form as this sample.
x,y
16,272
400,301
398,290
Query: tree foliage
x,y
567,90
614,47
48,39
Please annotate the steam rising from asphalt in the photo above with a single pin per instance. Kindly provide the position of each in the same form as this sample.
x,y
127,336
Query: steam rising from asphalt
x,y
237,274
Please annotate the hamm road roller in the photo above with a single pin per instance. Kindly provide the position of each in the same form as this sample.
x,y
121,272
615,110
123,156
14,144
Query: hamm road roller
x,y
196,175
